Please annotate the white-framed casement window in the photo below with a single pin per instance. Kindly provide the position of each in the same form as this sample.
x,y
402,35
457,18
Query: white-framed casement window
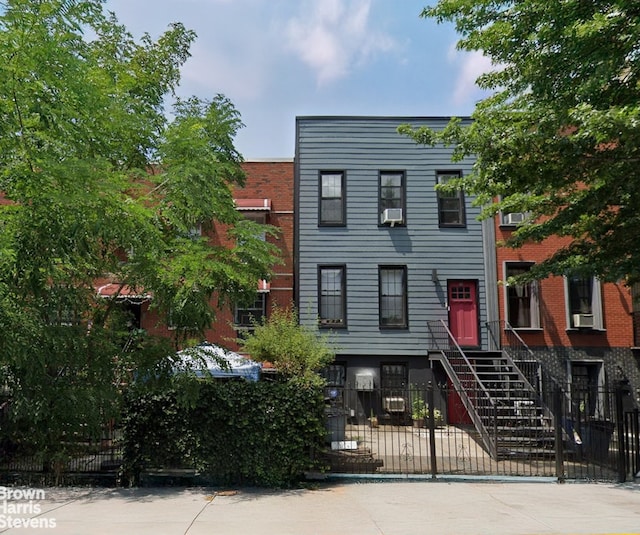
x,y
331,210
522,301
583,298
332,308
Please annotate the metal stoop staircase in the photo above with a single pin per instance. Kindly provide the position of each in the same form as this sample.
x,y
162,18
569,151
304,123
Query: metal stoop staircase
x,y
507,411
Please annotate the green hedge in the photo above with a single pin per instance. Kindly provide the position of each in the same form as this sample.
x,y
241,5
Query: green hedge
x,y
263,433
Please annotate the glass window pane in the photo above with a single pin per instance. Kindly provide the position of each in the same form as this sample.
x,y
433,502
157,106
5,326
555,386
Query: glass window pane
x,y
331,186
331,210
331,198
450,204
392,297
249,315
519,299
391,191
581,295
331,300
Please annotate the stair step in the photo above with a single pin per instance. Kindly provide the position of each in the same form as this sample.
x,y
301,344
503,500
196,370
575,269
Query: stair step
x,y
525,453
513,418
506,430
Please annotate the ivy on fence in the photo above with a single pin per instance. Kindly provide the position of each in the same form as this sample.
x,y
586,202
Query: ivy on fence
x,y
260,433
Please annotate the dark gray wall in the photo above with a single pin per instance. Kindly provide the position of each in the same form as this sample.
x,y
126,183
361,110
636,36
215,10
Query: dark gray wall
x,y
362,147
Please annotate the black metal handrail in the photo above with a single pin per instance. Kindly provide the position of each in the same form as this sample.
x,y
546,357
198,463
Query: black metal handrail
x,y
518,351
464,377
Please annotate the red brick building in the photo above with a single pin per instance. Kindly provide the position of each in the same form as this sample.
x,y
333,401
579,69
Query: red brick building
x,y
267,197
579,328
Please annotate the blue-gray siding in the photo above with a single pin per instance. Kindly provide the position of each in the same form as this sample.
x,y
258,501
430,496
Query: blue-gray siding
x,y
362,147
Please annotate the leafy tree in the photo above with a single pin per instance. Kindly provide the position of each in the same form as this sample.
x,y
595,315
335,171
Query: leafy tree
x,y
295,350
81,124
558,138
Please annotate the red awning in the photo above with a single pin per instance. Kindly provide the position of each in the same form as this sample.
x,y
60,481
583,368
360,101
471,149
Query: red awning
x,y
253,204
112,289
264,286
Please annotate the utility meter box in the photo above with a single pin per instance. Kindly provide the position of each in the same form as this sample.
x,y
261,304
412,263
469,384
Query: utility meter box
x,y
364,381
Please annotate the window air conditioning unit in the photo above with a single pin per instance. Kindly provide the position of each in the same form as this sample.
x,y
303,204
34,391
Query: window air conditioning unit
x,y
514,218
392,215
393,404
583,320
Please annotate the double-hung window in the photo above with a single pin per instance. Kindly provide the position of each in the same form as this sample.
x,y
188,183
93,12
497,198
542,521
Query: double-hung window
x,y
522,300
247,315
391,203
332,199
393,296
332,296
451,211
584,302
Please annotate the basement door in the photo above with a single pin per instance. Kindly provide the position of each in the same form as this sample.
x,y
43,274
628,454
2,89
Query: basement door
x,y
463,311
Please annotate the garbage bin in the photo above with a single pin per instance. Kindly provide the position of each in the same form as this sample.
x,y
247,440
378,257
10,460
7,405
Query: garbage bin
x,y
336,423
596,438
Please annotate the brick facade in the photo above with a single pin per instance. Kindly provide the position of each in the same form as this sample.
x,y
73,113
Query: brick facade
x,y
555,343
271,180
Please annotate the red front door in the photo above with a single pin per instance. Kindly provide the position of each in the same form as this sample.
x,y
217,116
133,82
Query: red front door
x,y
463,312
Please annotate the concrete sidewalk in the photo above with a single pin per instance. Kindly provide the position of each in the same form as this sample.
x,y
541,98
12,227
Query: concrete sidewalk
x,y
354,508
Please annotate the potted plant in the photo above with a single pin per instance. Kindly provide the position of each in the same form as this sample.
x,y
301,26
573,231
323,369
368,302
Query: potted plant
x,y
437,416
419,411
373,420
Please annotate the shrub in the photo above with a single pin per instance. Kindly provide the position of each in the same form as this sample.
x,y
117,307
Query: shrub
x,y
237,432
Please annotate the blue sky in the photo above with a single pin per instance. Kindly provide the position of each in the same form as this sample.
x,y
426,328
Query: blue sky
x,y
276,59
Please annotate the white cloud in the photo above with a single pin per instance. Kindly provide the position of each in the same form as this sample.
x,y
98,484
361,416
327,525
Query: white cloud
x,y
240,74
471,66
334,36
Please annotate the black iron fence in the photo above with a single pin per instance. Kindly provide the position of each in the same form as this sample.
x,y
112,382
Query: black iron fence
x,y
591,434
77,460
594,434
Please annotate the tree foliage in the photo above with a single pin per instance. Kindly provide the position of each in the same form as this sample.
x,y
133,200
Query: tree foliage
x,y
82,123
262,433
295,350
558,138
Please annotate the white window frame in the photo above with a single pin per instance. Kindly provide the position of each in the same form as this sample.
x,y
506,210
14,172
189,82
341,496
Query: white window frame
x,y
596,304
239,310
534,304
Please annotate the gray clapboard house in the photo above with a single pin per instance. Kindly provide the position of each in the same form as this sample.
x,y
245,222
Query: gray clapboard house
x,y
380,255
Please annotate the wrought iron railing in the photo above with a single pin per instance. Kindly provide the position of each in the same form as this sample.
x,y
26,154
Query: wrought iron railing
x,y
513,347
475,397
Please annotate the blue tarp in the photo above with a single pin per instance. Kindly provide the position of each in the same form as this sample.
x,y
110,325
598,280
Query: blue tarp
x,y
211,360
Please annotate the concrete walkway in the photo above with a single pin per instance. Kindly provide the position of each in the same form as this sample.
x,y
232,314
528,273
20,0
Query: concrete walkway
x,y
354,508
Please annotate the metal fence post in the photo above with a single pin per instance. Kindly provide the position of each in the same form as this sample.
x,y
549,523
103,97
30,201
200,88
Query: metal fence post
x,y
558,436
432,429
622,468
